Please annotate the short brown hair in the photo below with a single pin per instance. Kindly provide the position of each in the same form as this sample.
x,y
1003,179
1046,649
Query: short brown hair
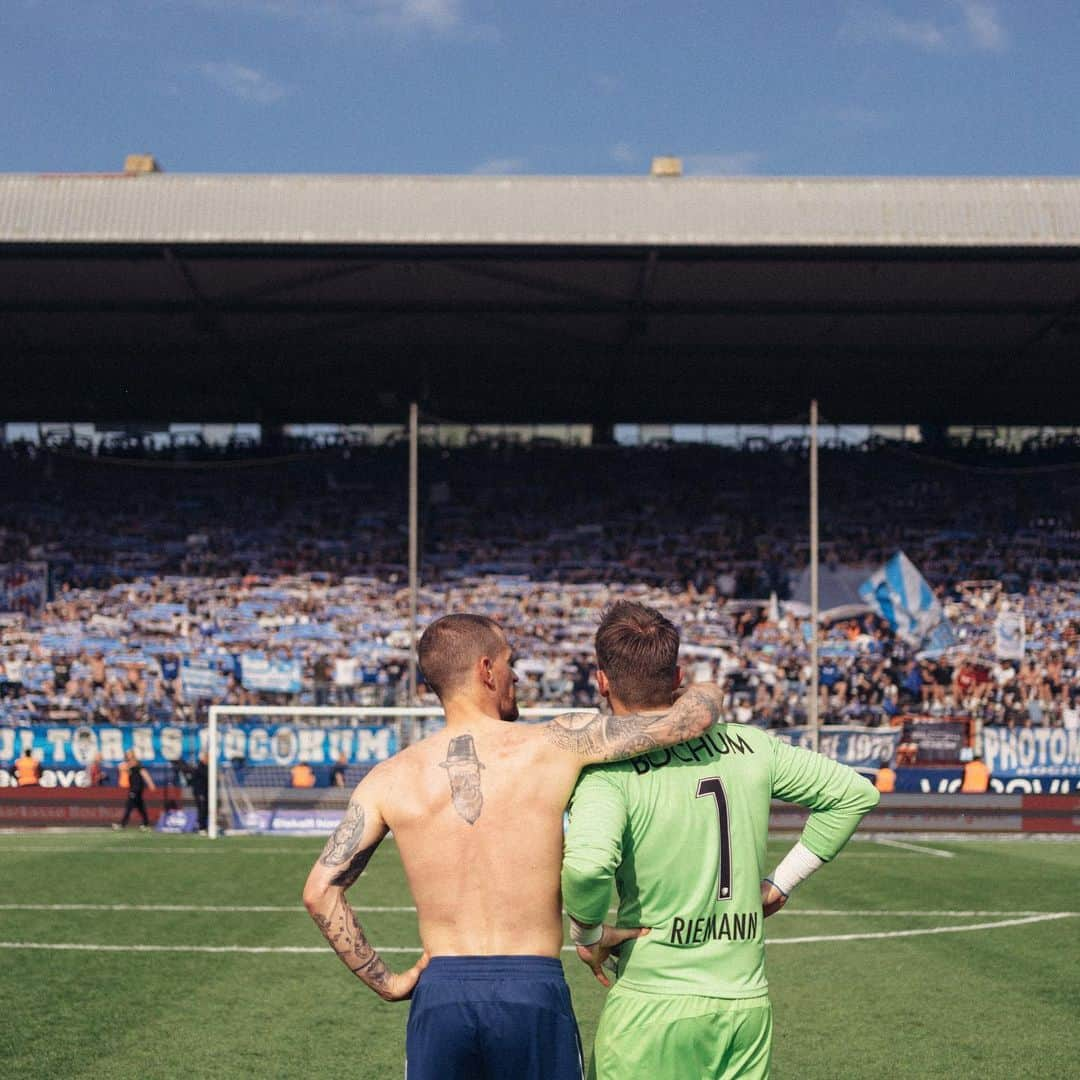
x,y
637,648
451,645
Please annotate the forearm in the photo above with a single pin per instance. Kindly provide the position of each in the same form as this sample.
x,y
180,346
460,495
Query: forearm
x,y
615,738
337,921
586,891
828,830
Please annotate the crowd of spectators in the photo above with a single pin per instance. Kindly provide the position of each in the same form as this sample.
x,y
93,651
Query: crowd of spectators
x,y
156,567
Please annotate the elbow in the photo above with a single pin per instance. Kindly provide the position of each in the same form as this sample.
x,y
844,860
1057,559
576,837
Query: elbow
x,y
713,712
870,795
313,896
577,889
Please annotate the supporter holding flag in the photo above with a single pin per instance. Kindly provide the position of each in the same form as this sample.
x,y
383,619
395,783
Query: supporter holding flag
x,y
901,596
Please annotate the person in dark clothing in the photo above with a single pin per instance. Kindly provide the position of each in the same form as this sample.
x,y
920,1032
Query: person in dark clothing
x,y
200,789
138,781
337,773
198,779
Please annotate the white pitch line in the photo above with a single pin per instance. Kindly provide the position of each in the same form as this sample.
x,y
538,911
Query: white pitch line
x,y
298,909
79,947
951,913
323,950
181,907
1045,917
939,852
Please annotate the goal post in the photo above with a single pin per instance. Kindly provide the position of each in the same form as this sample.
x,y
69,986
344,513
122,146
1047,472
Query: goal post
x,y
253,752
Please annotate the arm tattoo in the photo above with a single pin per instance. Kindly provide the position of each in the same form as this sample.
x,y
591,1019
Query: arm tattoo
x,y
346,936
355,867
345,838
613,738
463,771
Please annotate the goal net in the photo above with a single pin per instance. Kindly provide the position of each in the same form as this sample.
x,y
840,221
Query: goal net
x,y
291,769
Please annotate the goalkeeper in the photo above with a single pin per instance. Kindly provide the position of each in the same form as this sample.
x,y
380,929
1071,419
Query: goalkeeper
x,y
682,833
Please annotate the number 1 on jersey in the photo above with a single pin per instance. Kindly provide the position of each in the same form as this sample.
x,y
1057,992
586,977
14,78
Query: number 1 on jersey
x,y
714,786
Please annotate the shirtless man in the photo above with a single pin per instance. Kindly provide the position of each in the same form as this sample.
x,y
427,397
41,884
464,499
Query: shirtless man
x,y
477,812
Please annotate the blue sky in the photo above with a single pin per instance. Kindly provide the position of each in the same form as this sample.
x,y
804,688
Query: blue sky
x,y
832,87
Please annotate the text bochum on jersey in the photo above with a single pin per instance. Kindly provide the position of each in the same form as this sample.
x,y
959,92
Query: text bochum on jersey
x,y
728,926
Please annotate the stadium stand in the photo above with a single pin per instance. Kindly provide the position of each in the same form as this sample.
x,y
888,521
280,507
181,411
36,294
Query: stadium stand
x,y
169,561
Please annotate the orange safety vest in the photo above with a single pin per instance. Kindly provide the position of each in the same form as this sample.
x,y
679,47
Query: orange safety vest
x,y
302,776
976,778
122,777
26,771
885,780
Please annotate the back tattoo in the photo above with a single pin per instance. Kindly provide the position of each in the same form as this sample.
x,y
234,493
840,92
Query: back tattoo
x,y
463,770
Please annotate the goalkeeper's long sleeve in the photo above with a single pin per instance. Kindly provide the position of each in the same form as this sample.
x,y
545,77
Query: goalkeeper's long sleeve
x,y
837,796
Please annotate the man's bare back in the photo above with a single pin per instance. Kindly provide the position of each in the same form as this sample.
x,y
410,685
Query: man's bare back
x,y
476,811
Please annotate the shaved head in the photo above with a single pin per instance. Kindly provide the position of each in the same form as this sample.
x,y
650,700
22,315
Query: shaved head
x,y
451,646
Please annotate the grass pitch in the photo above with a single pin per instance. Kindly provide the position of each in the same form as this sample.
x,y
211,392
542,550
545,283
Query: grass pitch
x,y
929,959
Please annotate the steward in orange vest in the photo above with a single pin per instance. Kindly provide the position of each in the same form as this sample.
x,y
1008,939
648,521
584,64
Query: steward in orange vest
x,y
885,778
27,770
302,775
976,777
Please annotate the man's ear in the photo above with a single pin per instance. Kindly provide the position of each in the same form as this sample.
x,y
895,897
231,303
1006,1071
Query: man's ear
x,y
678,677
602,684
487,674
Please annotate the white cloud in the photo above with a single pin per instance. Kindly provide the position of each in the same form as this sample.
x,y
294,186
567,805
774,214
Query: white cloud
x,y
960,25
983,25
500,166
242,82
739,163
401,16
865,23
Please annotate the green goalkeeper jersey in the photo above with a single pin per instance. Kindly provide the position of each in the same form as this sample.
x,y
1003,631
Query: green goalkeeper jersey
x,y
682,833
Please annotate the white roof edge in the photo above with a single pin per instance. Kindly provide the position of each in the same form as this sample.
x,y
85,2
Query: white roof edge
x,y
306,209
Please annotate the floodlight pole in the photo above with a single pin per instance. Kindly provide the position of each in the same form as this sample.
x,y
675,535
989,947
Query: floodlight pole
x,y
212,775
812,710
414,522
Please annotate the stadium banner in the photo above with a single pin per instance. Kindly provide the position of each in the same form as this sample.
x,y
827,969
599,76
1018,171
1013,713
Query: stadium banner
x,y
937,741
1031,752
859,747
276,676
949,781
178,821
1009,636
73,746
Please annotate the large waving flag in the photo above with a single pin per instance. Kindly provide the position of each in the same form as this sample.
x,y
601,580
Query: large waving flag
x,y
901,596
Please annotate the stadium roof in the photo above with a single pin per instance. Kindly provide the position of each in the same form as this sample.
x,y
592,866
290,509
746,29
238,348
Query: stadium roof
x,y
540,298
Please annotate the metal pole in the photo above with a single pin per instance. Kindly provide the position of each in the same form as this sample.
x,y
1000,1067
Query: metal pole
x,y
414,521
211,775
814,605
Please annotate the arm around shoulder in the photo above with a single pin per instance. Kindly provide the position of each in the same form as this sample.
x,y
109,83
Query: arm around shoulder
x,y
599,738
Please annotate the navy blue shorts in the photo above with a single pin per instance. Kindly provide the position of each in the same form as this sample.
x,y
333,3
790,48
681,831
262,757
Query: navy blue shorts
x,y
492,1018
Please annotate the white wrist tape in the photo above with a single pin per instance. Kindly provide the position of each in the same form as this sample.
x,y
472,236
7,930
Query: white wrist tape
x,y
585,935
797,865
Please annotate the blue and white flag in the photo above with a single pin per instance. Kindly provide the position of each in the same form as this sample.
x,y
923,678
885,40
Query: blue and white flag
x,y
901,596
1009,636
277,676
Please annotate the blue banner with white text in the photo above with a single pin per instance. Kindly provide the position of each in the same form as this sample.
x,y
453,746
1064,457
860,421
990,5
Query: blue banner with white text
x,y
1031,752
859,747
74,746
